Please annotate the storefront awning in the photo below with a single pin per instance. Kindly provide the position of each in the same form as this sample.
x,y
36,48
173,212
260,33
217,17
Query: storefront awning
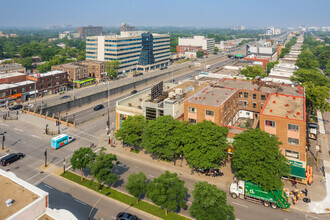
x,y
297,170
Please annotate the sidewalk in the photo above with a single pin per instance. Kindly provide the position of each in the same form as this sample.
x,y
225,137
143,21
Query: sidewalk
x,y
323,206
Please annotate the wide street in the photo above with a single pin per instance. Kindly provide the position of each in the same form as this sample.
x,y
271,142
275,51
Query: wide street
x,y
26,135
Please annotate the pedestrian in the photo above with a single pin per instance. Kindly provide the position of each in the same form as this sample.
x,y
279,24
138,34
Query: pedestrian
x,y
306,192
294,183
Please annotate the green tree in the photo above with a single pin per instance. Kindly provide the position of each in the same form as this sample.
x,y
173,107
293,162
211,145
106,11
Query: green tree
x,y
307,60
26,62
137,184
210,203
101,168
253,71
216,50
167,191
270,65
200,54
310,75
81,159
162,137
257,158
324,57
284,51
317,97
131,130
47,54
25,51
112,68
205,145
327,69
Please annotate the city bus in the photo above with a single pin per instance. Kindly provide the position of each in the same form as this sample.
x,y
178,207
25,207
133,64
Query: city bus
x,y
61,140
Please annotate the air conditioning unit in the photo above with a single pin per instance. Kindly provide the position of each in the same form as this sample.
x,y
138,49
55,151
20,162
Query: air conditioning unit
x,y
178,90
171,95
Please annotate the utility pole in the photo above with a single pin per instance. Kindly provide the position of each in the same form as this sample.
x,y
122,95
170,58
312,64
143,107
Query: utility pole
x,y
64,165
3,140
35,92
45,153
74,79
108,106
46,130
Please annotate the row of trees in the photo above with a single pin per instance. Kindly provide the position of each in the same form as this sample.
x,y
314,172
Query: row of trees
x,y
256,156
317,85
288,46
203,145
168,191
253,71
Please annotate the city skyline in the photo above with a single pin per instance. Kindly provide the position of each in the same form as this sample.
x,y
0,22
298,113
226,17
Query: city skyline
x,y
211,13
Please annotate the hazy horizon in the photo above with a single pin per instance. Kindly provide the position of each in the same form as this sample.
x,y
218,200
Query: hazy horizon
x,y
170,13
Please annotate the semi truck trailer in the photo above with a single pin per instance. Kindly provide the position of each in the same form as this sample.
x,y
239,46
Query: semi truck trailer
x,y
252,192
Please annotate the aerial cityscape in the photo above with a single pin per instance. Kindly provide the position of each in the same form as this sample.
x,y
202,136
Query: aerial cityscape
x,y
206,110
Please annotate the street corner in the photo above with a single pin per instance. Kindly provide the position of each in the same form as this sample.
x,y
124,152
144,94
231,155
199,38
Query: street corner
x,y
47,167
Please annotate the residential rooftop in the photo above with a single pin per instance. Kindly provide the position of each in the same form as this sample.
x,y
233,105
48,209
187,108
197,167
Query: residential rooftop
x,y
4,86
8,75
4,67
285,106
54,72
212,96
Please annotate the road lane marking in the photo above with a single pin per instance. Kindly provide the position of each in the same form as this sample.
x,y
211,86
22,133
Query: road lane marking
x,y
32,177
151,175
80,201
49,186
36,136
240,204
16,129
113,217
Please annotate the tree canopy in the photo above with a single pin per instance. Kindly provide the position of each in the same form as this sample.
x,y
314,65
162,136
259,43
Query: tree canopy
x,y
167,191
270,65
310,75
307,60
317,96
137,184
257,158
82,158
210,203
132,129
101,168
112,67
205,145
200,54
253,71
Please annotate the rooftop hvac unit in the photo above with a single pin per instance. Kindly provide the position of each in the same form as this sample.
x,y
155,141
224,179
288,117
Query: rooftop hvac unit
x,y
171,95
178,90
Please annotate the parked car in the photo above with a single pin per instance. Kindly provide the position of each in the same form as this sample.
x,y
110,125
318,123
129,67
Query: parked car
x,y
312,127
126,216
98,107
16,107
134,91
29,105
65,97
6,160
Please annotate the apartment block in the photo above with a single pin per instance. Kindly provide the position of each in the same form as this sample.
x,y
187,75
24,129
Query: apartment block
x,y
207,44
51,82
187,48
285,117
89,31
12,68
135,50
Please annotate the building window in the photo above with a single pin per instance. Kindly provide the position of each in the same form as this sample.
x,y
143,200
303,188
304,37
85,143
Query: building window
x,y
122,117
254,105
293,127
57,83
240,94
263,97
246,95
23,89
191,109
254,96
292,154
49,79
49,85
240,103
270,123
209,112
293,141
150,113
262,105
246,104
193,121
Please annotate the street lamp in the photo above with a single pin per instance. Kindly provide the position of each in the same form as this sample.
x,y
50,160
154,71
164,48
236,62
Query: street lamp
x,y
3,140
108,106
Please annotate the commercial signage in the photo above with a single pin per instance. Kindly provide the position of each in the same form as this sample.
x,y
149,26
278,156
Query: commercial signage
x,y
15,96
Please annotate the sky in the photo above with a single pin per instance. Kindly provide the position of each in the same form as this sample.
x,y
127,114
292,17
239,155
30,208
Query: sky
x,y
189,13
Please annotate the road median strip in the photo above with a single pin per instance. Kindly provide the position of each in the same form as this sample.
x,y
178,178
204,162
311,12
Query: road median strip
x,y
122,197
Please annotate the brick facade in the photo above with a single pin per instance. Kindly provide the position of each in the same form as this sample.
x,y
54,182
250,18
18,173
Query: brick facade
x,y
186,48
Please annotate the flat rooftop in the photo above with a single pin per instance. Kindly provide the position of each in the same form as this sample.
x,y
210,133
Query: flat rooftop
x,y
248,85
72,65
285,106
11,190
10,66
48,73
212,96
8,75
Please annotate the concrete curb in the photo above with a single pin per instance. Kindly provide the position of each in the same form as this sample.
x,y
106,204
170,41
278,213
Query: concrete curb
x,y
109,198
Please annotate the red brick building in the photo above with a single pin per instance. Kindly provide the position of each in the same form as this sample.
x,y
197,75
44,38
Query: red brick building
x,y
186,48
12,77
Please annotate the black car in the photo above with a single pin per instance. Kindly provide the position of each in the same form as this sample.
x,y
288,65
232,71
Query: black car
x,y
16,107
98,107
134,91
65,97
126,216
6,160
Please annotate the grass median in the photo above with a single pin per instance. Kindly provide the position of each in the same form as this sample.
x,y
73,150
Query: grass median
x,y
122,197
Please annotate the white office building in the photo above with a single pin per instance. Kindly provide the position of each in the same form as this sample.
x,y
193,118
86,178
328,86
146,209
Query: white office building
x,y
207,44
